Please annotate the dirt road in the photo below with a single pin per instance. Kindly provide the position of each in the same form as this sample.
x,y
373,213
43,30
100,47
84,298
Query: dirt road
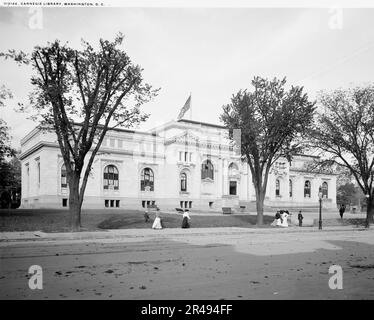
x,y
222,263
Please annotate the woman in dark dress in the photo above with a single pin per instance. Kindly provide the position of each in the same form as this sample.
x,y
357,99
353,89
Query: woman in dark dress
x,y
341,210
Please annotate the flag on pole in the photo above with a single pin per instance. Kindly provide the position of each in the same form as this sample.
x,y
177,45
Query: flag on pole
x,y
186,106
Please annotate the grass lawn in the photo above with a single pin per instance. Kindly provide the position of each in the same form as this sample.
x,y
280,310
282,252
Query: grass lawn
x,y
58,220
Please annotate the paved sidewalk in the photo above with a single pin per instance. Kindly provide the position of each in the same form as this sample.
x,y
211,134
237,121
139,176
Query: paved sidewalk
x,y
6,237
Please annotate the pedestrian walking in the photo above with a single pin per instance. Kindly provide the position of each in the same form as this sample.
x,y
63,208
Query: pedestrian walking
x,y
284,217
277,220
341,210
157,224
300,218
146,216
185,220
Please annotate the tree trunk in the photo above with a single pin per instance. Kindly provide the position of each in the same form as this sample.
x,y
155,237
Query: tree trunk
x,y
74,205
260,196
369,212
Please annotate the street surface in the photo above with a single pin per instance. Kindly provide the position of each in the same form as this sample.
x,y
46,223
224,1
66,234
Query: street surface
x,y
212,263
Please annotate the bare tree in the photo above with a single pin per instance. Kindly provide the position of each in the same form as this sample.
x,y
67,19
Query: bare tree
x,y
272,121
344,134
82,94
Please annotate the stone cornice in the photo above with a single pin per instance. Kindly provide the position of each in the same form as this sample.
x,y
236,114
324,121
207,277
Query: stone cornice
x,y
37,147
42,144
313,173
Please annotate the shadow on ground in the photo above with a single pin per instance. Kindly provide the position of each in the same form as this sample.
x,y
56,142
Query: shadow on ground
x,y
58,220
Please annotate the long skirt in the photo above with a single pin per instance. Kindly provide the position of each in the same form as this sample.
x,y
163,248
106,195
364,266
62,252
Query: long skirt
x,y
185,223
157,223
284,222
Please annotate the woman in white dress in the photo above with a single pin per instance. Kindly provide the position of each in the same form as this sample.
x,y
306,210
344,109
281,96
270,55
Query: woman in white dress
x,y
157,223
284,219
185,220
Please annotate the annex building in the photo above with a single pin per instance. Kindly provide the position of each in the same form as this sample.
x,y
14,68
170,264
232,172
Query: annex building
x,y
184,163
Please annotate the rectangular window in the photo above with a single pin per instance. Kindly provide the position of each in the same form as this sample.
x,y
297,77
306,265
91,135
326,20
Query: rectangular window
x,y
64,182
190,204
186,204
143,204
153,203
112,141
112,203
211,204
38,172
180,155
181,204
185,156
148,204
190,156
27,178
233,188
117,203
106,203
64,202
120,143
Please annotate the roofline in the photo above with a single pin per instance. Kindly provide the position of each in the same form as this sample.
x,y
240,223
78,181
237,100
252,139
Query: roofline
x,y
48,144
37,147
306,155
37,129
314,173
29,135
203,123
122,130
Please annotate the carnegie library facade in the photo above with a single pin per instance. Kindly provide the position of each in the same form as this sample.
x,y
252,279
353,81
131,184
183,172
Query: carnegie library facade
x,y
181,164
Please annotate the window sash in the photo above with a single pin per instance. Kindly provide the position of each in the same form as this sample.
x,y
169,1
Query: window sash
x,y
207,170
111,177
147,179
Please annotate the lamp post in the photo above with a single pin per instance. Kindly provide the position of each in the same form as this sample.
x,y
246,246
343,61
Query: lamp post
x,y
320,208
367,217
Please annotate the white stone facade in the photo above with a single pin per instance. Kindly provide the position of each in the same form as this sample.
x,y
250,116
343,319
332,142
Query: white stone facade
x,y
178,150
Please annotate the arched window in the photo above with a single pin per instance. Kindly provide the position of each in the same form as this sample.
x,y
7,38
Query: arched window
x,y
64,182
147,180
233,169
207,170
307,189
277,188
111,177
183,178
290,187
325,190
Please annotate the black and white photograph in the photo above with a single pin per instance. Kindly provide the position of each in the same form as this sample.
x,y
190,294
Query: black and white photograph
x,y
171,151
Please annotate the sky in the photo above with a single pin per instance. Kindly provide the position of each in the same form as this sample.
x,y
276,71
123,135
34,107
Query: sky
x,y
209,52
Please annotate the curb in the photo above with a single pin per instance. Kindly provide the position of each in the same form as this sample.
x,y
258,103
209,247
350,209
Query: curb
x,y
11,237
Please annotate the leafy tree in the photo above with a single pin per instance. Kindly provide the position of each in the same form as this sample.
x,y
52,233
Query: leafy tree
x,y
349,194
10,181
10,169
344,134
82,94
5,148
10,173
272,121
